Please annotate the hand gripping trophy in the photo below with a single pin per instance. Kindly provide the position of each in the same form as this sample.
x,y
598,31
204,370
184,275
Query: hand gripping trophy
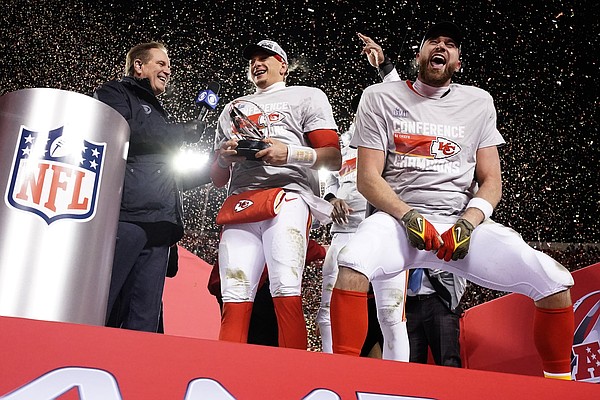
x,y
251,130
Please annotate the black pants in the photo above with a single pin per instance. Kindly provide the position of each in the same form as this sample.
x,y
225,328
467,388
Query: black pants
x,y
137,281
263,328
431,324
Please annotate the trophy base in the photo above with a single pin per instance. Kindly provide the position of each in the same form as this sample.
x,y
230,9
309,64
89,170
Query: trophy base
x,y
248,148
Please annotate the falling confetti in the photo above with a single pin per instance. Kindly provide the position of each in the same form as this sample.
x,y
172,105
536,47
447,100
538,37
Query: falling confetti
x,y
537,60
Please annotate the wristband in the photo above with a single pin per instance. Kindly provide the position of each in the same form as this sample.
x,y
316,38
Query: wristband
x,y
301,155
329,197
385,67
483,205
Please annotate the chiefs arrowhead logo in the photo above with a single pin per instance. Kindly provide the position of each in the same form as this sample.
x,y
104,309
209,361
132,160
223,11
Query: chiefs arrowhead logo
x,y
432,147
242,205
261,119
444,148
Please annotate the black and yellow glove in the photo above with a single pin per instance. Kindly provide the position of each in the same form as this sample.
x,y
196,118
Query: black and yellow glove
x,y
456,241
421,233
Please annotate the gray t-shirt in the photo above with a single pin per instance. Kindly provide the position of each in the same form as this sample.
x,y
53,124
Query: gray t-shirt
x,y
292,112
430,144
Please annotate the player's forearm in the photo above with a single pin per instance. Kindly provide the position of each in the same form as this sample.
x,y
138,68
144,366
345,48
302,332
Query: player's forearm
x,y
490,192
489,179
329,158
379,193
219,172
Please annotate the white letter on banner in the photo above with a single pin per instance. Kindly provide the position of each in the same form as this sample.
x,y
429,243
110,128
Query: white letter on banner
x,y
375,396
322,394
93,384
206,388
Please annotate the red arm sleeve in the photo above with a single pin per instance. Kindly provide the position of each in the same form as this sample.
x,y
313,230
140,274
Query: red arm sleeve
x,y
323,138
219,176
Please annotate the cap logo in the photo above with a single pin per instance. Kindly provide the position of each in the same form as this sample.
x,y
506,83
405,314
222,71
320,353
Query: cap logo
x,y
273,47
267,44
445,28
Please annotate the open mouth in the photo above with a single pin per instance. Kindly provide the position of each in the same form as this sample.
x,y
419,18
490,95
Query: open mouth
x,y
162,79
260,72
438,61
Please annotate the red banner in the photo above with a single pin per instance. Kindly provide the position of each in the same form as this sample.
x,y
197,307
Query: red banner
x,y
50,360
42,360
497,335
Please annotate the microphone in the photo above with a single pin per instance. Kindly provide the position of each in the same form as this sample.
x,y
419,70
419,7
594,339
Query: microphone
x,y
208,99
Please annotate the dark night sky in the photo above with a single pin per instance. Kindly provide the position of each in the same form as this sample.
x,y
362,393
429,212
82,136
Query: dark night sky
x,y
539,60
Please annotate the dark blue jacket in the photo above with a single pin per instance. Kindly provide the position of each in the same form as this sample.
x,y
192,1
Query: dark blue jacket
x,y
151,192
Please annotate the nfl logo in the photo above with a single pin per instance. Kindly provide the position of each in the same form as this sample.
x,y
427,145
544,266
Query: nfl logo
x,y
55,176
585,361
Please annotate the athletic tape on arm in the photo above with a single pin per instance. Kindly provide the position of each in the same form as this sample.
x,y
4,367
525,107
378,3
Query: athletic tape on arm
x,y
301,155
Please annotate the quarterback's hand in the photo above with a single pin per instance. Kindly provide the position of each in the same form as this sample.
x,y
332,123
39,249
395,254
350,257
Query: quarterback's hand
x,y
275,154
227,153
421,233
456,241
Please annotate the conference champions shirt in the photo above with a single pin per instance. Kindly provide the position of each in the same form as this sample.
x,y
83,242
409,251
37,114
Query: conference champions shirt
x,y
430,144
292,112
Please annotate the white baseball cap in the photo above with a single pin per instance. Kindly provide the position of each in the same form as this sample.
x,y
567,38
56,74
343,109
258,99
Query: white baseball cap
x,y
267,46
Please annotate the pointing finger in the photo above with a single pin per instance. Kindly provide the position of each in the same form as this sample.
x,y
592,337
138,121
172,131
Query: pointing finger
x,y
364,38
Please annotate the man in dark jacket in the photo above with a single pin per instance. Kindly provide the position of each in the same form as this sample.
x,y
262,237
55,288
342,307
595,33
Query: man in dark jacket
x,y
150,220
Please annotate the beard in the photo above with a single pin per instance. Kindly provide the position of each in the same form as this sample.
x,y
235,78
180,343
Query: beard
x,y
435,77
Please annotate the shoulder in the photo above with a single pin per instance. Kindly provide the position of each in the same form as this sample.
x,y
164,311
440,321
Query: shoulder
x,y
110,92
384,87
306,90
472,91
124,85
110,85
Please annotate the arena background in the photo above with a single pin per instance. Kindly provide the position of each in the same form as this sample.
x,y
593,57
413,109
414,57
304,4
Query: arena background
x,y
539,60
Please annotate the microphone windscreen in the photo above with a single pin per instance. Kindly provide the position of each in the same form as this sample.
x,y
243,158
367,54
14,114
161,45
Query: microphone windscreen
x,y
207,98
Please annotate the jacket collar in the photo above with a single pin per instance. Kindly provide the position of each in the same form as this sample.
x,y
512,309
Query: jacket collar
x,y
143,83
143,89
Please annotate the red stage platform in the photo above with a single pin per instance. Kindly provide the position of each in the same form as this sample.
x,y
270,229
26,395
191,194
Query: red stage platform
x,y
51,360
46,359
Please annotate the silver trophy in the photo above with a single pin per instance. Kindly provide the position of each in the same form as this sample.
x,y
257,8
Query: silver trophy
x,y
250,130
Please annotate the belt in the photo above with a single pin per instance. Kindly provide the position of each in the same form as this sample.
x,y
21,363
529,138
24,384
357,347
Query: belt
x,y
422,297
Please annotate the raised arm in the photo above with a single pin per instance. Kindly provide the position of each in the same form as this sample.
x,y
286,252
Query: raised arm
x,y
378,59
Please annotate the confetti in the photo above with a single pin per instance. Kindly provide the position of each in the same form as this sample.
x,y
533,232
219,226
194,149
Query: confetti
x,y
534,59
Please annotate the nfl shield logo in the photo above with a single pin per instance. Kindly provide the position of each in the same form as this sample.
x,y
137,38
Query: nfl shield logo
x,y
55,175
585,358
